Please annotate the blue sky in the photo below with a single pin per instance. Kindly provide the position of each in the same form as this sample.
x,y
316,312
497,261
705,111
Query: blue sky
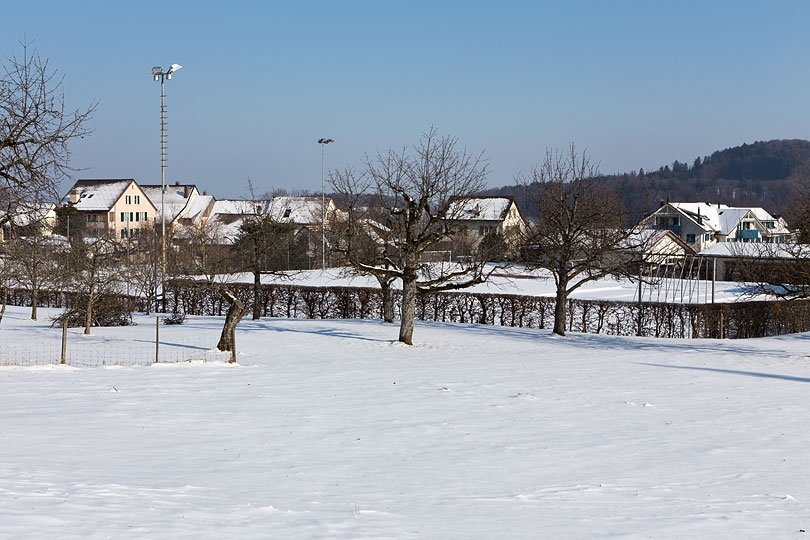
x,y
638,84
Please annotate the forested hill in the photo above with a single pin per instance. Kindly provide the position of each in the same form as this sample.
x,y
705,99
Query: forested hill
x,y
766,173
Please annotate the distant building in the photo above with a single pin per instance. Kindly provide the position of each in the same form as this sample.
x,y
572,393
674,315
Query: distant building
x,y
475,217
26,219
702,225
118,207
175,199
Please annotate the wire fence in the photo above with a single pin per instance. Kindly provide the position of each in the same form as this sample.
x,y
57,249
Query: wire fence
x,y
136,346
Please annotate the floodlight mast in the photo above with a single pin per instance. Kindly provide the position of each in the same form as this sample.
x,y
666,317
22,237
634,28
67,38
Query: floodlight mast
x,y
323,142
159,75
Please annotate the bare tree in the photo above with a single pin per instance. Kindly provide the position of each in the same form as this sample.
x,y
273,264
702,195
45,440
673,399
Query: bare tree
x,y
582,225
259,248
207,259
142,263
777,270
417,191
93,269
32,261
36,127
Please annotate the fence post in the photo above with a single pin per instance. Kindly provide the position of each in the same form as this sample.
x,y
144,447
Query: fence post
x,y
157,338
233,346
64,339
714,276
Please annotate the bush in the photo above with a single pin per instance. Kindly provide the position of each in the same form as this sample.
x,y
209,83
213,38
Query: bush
x,y
110,310
175,318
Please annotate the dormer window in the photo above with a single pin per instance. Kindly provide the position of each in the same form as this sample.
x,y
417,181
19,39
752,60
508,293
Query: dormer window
x,y
287,212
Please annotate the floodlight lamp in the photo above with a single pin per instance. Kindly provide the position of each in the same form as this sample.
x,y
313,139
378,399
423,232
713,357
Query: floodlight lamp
x,y
174,67
157,70
169,75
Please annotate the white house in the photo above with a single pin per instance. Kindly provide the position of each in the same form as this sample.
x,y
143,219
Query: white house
x,y
27,216
475,217
118,207
702,225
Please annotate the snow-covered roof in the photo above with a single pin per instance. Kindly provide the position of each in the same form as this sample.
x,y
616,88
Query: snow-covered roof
x,y
239,207
27,213
98,195
300,210
196,207
175,198
649,238
480,208
723,219
757,250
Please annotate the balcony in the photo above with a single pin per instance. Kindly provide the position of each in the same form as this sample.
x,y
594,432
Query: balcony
x,y
674,228
748,234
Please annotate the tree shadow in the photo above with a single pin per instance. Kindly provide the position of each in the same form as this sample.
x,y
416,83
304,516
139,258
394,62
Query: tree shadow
x,y
604,342
330,332
170,344
732,371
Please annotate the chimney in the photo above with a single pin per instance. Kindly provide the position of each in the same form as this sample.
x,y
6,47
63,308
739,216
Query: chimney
x,y
177,182
74,196
205,192
700,218
661,204
186,190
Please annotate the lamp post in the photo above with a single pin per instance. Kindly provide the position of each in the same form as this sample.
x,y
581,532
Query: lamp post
x,y
323,143
159,75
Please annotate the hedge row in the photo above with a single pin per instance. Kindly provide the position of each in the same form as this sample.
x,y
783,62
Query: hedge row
x,y
728,320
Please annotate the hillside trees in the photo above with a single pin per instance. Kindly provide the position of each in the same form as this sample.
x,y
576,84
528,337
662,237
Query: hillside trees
x,y
415,190
581,229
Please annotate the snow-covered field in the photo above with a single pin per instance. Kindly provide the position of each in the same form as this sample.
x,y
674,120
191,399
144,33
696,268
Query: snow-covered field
x,y
330,429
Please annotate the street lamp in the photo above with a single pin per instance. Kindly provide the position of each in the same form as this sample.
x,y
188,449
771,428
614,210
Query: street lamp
x,y
323,143
159,75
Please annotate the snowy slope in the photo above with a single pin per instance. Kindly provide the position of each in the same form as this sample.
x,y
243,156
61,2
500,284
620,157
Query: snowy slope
x,y
330,429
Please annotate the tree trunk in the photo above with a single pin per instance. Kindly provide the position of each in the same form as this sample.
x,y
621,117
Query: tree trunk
x,y
5,301
257,296
387,302
34,302
408,307
559,310
236,311
88,316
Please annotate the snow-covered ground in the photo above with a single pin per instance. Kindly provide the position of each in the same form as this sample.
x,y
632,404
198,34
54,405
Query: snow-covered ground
x,y
331,429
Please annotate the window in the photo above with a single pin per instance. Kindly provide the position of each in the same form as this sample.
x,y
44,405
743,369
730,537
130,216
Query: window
x,y
706,237
112,217
128,199
131,216
144,216
123,233
287,212
137,199
690,238
137,216
123,217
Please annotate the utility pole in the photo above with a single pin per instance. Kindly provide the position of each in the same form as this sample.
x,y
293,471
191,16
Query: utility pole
x,y
323,143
